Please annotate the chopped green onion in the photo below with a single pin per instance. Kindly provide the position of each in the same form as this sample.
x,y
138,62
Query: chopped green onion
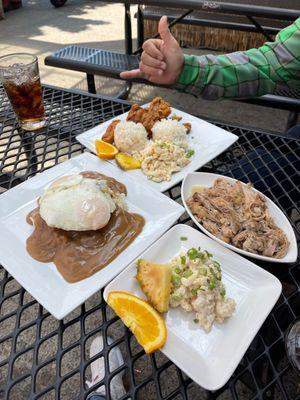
x,y
214,274
209,255
183,238
193,253
163,145
176,280
212,283
203,271
194,292
217,266
183,260
202,256
187,274
223,292
177,298
178,271
217,274
196,320
190,153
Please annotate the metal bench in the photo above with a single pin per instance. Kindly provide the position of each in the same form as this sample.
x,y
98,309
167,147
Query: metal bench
x,y
94,62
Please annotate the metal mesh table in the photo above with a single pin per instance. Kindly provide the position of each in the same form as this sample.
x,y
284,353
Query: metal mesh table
x,y
42,358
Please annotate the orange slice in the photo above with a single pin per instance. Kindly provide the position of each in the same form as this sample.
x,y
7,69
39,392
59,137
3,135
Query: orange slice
x,y
105,150
145,323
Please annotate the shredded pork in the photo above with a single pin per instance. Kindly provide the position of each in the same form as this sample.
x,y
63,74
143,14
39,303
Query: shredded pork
x,y
238,215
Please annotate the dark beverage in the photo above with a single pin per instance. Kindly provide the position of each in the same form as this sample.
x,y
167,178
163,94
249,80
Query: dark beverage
x,y
20,77
26,100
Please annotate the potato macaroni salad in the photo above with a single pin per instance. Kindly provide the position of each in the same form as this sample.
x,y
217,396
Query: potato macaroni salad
x,y
159,160
197,286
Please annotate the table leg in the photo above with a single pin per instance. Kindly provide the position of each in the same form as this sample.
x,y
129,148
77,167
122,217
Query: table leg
x,y
128,47
140,27
128,32
91,83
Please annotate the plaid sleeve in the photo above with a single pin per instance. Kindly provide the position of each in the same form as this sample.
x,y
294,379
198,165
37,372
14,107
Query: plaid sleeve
x,y
245,73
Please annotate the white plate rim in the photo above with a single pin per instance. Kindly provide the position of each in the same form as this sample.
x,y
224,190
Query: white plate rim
x,y
292,254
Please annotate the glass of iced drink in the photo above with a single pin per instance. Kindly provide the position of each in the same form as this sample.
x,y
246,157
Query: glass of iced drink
x,y
19,74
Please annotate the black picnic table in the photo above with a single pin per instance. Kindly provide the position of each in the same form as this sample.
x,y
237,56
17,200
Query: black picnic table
x,y
42,358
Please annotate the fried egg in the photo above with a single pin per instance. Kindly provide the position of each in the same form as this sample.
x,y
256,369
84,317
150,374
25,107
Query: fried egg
x,y
76,203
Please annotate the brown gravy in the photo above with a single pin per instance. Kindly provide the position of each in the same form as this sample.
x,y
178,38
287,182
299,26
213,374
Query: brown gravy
x,y
78,255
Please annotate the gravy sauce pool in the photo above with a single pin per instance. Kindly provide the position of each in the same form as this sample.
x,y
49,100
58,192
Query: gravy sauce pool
x,y
78,255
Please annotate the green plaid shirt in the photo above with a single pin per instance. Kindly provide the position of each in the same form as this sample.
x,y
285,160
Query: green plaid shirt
x,y
249,73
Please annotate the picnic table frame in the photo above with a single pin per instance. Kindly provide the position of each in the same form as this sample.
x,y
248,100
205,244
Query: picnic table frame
x,y
29,371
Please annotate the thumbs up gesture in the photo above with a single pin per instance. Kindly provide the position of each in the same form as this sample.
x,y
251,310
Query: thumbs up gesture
x,y
161,60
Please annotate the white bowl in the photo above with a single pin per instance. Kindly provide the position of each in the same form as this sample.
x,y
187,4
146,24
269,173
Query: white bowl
x,y
207,179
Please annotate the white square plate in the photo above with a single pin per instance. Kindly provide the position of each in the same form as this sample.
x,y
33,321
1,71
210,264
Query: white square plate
x,y
207,140
42,280
210,358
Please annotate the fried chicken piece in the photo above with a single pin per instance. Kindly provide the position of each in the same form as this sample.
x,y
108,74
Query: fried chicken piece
x,y
149,118
136,113
158,109
161,106
110,132
176,117
188,126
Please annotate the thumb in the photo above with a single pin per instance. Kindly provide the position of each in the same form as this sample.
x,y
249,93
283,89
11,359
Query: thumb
x,y
164,30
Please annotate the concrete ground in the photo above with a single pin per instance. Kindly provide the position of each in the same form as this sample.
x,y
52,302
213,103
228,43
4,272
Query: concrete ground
x,y
40,29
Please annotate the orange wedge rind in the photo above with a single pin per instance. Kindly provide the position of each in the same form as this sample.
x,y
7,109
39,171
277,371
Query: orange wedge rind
x,y
105,150
141,318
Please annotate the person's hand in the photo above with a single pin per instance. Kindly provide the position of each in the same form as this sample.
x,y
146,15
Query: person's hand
x,y
162,59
